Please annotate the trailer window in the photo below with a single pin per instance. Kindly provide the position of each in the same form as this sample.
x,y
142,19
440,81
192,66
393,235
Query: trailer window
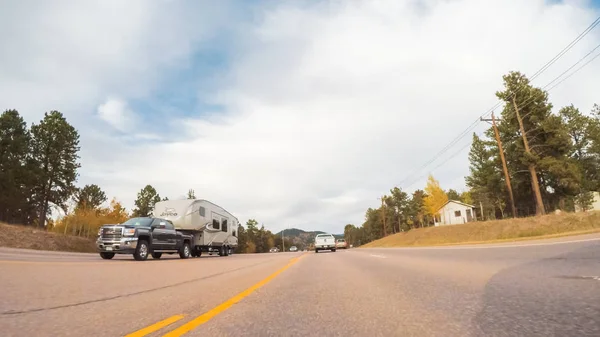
x,y
224,227
202,211
216,224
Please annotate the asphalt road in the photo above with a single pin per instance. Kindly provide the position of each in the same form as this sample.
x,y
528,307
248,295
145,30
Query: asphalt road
x,y
538,288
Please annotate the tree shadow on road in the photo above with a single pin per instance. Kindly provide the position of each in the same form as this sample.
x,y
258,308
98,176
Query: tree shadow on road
x,y
556,296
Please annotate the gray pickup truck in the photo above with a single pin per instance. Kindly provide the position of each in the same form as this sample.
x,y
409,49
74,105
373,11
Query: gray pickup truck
x,y
143,236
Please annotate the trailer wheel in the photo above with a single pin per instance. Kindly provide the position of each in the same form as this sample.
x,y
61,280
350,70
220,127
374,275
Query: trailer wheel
x,y
107,256
196,252
185,251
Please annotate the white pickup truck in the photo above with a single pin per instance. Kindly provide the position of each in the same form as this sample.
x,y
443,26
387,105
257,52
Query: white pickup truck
x,y
324,242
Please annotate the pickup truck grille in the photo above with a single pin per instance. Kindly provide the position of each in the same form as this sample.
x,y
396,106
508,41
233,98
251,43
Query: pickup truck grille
x,y
112,233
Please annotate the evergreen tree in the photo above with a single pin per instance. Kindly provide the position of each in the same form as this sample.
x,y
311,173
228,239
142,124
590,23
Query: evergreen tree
x,y
145,201
90,196
549,142
54,150
485,181
15,169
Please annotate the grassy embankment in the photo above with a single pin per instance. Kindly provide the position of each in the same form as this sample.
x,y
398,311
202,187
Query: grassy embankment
x,y
28,237
477,232
553,225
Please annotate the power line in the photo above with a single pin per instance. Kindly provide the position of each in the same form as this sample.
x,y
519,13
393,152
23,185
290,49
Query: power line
x,y
459,137
544,89
489,111
567,48
578,69
440,164
527,102
573,66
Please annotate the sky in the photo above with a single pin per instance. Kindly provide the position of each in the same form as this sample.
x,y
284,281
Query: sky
x,y
294,113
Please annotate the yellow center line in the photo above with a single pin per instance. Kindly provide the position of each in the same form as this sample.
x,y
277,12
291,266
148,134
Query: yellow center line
x,y
196,322
155,327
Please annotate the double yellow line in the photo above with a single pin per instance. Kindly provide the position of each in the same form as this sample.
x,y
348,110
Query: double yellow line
x,y
196,322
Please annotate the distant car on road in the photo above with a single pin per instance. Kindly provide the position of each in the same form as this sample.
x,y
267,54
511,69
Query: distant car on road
x,y
293,249
273,250
324,242
341,243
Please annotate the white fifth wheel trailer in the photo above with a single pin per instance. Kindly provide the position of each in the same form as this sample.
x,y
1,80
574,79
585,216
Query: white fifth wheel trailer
x,y
212,228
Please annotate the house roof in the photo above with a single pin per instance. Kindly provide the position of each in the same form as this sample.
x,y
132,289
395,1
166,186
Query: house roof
x,y
456,202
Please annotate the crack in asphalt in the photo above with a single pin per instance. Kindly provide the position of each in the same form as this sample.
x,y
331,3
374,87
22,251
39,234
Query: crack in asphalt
x,y
104,299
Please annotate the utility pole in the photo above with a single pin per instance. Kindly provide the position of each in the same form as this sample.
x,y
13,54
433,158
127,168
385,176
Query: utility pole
x,y
539,210
504,167
383,215
481,208
282,241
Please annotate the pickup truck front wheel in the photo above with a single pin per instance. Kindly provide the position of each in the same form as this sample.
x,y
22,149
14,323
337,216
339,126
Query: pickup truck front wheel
x,y
141,251
156,255
107,256
185,251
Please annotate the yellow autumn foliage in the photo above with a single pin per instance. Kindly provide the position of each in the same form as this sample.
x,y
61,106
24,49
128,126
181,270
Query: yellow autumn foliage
x,y
87,221
436,197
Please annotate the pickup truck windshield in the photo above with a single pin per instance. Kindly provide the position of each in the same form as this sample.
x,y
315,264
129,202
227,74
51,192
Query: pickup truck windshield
x,y
143,222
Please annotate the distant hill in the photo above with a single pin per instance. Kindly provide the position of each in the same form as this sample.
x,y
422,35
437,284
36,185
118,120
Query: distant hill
x,y
302,238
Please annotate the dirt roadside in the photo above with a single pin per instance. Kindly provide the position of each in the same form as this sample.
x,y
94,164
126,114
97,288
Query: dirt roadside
x,y
28,237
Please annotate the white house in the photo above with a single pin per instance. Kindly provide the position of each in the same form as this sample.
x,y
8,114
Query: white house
x,y
595,203
455,213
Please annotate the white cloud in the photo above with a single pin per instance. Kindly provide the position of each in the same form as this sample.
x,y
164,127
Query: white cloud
x,y
70,55
116,113
329,106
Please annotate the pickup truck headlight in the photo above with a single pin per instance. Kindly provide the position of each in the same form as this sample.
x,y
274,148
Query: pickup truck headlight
x,y
100,232
128,231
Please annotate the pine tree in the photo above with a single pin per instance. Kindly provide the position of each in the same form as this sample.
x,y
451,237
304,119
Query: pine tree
x,y
90,196
145,201
485,181
549,143
15,169
54,150
580,129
